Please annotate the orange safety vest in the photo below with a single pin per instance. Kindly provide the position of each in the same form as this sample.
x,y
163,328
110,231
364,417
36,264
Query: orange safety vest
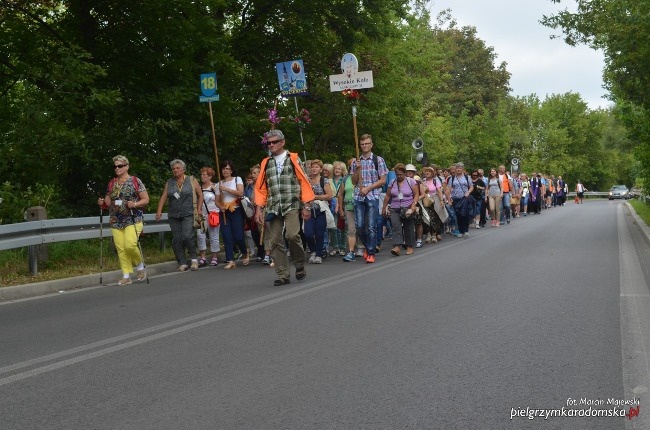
x,y
261,189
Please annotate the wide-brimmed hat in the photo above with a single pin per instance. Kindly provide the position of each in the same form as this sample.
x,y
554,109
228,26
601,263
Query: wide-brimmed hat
x,y
429,168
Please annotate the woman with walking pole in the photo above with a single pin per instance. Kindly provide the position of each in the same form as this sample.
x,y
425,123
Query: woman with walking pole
x,y
125,196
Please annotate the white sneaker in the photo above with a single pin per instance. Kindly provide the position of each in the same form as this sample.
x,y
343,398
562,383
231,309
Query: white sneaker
x,y
465,234
478,226
318,260
418,243
360,252
312,258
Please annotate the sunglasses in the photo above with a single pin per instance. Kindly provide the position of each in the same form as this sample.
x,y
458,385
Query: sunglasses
x,y
273,142
119,166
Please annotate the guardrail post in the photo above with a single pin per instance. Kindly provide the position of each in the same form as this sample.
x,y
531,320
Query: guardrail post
x,y
36,252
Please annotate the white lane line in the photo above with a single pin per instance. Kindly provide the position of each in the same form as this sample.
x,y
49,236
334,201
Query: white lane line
x,y
635,323
185,324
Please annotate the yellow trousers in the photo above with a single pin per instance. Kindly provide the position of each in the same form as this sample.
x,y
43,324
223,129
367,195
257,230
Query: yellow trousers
x,y
126,244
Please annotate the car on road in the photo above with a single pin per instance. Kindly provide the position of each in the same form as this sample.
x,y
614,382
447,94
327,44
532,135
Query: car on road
x,y
619,192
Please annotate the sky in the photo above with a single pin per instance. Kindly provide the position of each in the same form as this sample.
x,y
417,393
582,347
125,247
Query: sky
x,y
537,64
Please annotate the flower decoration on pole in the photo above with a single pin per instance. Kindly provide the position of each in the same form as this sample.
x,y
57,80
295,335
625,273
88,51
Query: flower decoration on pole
x,y
302,119
351,94
273,117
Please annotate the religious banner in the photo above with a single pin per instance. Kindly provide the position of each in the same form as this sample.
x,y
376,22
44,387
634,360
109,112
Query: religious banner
x,y
291,77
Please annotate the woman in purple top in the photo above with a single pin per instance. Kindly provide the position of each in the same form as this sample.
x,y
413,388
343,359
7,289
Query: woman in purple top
x,y
402,195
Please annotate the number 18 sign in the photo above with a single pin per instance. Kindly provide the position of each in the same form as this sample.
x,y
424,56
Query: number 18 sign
x,y
208,88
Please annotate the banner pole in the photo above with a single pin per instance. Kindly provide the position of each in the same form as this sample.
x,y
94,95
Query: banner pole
x,y
214,142
356,137
302,140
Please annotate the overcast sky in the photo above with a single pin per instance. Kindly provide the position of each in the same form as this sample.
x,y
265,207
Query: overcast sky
x,y
537,64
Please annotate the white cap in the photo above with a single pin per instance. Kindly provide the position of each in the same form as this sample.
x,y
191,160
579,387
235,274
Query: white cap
x,y
410,167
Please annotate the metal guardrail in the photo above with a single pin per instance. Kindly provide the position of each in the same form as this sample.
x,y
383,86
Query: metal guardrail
x,y
32,233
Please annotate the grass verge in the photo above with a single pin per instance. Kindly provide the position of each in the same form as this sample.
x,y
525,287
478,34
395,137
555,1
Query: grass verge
x,y
642,209
76,258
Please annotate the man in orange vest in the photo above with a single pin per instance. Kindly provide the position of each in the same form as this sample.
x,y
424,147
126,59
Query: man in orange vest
x,y
282,193
506,187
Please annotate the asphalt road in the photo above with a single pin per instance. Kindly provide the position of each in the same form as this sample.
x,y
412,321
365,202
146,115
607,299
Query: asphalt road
x,y
549,312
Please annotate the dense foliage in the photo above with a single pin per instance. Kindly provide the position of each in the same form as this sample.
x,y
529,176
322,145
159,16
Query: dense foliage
x,y
620,28
84,80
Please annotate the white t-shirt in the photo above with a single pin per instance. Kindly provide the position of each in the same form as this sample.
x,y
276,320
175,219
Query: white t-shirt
x,y
279,161
209,198
232,184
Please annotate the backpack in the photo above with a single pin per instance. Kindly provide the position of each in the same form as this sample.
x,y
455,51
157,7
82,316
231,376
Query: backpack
x,y
451,181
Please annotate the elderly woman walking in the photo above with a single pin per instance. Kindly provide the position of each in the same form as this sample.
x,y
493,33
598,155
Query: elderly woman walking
x,y
402,195
124,198
180,190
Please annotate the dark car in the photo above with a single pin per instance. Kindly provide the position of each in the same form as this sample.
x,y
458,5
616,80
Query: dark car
x,y
619,192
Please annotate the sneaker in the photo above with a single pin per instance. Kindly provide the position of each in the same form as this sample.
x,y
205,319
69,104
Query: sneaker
x,y
370,258
508,221
465,234
183,267
360,252
142,275
258,259
342,252
418,243
365,254
434,240
267,260
318,260
124,281
312,258
478,226
195,265
349,257
457,234
333,253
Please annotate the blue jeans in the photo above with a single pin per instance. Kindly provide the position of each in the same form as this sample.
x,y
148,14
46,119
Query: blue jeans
x,y
233,233
505,205
366,213
314,229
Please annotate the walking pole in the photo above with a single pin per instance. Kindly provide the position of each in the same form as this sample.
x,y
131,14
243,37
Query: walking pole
x,y
137,236
101,245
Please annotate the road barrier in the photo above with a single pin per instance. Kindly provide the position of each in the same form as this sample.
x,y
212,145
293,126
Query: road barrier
x,y
33,234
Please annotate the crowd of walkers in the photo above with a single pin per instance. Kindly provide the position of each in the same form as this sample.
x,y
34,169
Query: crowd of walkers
x,y
286,209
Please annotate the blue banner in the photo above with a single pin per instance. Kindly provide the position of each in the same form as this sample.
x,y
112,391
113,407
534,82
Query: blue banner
x,y
291,76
